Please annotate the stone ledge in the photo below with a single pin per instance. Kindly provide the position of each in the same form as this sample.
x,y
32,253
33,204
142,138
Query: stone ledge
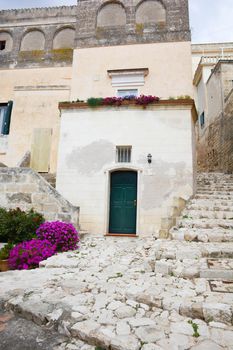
x,y
182,103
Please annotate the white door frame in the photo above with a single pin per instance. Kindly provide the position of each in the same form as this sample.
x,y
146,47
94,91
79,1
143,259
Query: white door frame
x,y
107,172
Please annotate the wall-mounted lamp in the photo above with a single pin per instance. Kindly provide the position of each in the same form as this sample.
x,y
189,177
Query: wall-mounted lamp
x,y
149,158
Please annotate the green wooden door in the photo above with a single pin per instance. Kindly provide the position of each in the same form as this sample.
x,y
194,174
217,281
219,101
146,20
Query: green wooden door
x,y
123,202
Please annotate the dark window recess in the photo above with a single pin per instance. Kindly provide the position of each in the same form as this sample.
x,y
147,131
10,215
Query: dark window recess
x,y
202,119
2,45
5,117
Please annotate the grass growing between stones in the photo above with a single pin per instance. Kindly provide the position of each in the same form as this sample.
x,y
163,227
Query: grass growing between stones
x,y
196,334
118,275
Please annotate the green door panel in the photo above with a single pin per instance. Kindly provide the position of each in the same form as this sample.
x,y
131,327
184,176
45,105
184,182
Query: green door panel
x,y
123,202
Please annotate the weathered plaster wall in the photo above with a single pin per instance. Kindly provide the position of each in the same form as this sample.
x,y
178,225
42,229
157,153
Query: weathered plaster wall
x,y
35,94
170,71
87,154
23,188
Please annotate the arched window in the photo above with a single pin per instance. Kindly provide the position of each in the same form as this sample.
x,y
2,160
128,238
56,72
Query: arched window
x,y
111,14
151,11
33,40
64,39
6,42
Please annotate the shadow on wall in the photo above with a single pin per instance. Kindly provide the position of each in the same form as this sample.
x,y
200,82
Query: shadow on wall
x,y
92,158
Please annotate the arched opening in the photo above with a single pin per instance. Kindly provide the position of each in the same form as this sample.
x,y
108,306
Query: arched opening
x,y
33,40
6,42
123,202
151,11
111,14
64,39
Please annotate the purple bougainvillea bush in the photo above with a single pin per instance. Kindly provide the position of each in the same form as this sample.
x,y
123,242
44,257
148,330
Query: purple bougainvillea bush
x,y
63,235
28,255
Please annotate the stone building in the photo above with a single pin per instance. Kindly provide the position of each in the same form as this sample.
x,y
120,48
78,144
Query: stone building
x,y
213,87
128,168
36,49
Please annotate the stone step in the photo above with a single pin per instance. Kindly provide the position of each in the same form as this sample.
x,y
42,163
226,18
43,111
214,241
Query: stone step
x,y
211,181
198,250
205,223
207,214
224,203
209,206
202,235
213,197
214,188
215,192
208,268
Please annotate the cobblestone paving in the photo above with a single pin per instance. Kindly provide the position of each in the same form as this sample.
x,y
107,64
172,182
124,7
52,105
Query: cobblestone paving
x,y
138,294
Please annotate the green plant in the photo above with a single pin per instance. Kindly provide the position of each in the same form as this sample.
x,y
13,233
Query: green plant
x,y
183,97
17,226
171,98
99,348
139,28
94,101
118,274
5,251
196,334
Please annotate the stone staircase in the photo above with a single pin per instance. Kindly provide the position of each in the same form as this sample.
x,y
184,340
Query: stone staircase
x,y
50,178
206,230
208,216
144,293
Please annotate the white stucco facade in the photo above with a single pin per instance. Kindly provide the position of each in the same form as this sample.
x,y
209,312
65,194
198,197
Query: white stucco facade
x,y
87,156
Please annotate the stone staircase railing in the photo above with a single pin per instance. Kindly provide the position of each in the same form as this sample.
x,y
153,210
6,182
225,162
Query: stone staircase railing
x,y
26,189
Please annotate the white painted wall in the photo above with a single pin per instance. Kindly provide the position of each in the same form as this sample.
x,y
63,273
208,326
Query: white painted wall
x,y
87,153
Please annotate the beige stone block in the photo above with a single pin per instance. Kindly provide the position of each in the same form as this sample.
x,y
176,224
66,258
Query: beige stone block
x,y
50,208
29,188
11,187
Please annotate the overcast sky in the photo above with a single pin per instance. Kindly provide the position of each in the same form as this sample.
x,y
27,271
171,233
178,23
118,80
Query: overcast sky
x,y
211,20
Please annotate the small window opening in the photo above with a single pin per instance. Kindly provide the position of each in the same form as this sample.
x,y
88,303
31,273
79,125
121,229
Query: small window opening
x,y
202,119
127,92
2,45
123,154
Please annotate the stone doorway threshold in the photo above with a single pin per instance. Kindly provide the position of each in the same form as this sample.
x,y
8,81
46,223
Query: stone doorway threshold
x,y
121,235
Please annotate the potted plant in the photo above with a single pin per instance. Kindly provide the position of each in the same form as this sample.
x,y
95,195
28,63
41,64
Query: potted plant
x,y
4,255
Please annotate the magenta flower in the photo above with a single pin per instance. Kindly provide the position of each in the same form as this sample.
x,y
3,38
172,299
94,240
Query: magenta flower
x,y
62,235
28,255
145,100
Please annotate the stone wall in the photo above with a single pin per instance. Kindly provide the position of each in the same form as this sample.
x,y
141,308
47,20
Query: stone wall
x,y
46,36
25,189
215,147
133,22
37,37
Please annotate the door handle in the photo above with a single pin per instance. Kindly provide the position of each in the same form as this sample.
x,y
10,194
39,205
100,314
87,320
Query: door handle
x,y
135,202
